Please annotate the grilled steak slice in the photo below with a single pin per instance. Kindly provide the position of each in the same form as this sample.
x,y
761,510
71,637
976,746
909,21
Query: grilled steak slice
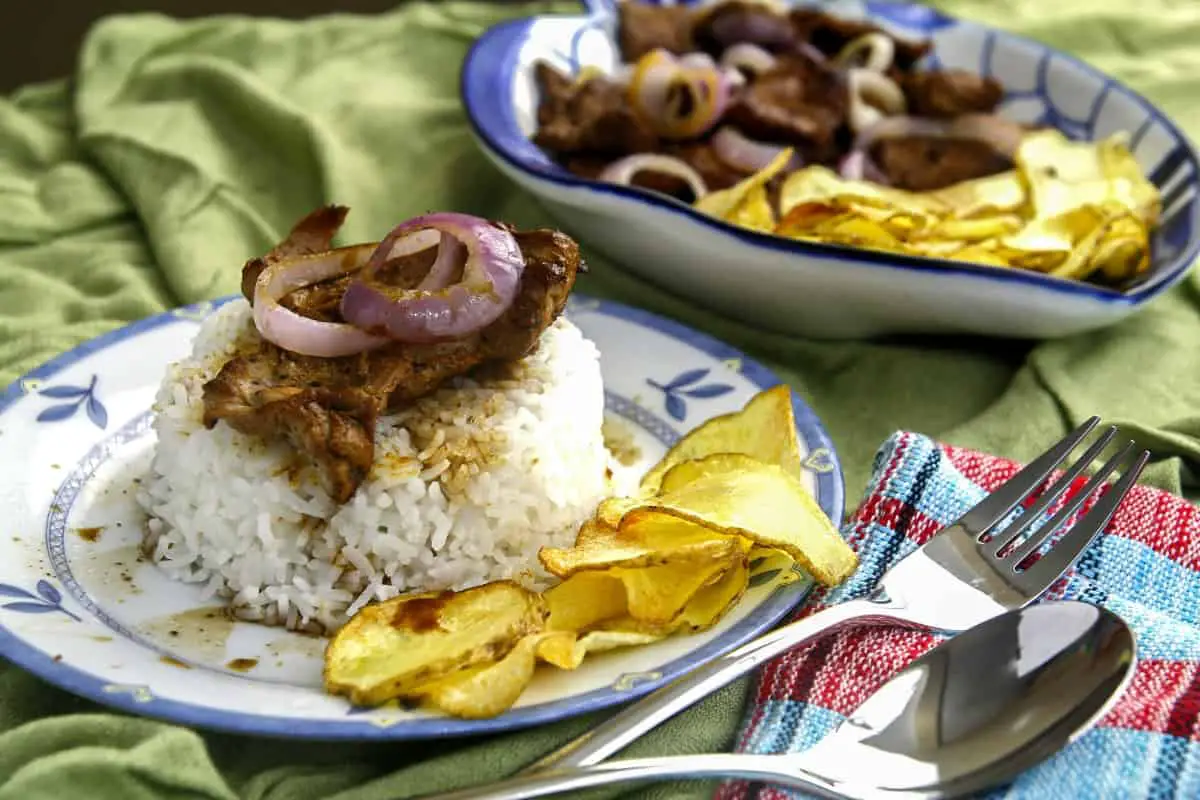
x,y
326,408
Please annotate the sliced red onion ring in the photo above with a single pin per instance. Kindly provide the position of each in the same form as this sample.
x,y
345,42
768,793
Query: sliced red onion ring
x,y
879,50
859,166
745,154
295,332
450,252
1001,134
489,284
623,171
747,56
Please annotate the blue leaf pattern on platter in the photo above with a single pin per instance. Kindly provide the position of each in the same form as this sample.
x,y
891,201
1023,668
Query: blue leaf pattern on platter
x,y
709,390
48,593
64,392
12,591
83,396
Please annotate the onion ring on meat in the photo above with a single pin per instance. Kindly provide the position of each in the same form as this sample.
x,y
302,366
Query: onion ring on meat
x,y
748,57
679,98
487,288
623,170
1003,135
300,334
873,96
745,154
879,48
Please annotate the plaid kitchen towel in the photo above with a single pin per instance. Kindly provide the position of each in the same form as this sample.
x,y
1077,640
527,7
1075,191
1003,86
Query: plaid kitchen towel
x,y
1144,568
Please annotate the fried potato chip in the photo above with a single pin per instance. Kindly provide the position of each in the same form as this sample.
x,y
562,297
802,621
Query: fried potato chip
x,y
1064,175
754,211
721,203
634,546
391,647
994,195
585,599
710,604
767,505
685,472
566,650
817,184
659,594
764,429
484,690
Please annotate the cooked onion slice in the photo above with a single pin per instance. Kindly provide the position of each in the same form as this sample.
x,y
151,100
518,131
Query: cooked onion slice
x,y
295,332
623,170
748,57
874,52
873,96
679,98
745,154
489,283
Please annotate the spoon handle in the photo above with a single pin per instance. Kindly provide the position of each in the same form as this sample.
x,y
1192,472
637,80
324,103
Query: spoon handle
x,y
775,769
644,715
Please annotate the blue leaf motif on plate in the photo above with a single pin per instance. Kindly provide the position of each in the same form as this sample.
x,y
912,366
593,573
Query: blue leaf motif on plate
x,y
13,591
27,607
96,412
47,600
709,390
82,396
48,593
64,392
686,378
688,384
676,407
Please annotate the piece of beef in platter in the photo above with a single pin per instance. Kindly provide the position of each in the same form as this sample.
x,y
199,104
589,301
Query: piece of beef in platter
x,y
950,93
830,34
800,101
643,27
926,163
592,116
326,408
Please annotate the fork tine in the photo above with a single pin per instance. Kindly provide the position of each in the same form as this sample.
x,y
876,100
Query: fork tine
x,y
1067,550
1002,538
998,504
1038,537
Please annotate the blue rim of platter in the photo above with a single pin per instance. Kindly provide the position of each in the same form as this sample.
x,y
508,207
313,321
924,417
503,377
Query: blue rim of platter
x,y
485,86
830,496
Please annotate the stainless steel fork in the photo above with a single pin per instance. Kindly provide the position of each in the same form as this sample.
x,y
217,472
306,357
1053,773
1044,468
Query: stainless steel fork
x,y
969,572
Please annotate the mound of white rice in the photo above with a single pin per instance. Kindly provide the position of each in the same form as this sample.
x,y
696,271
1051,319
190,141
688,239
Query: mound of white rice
x,y
468,483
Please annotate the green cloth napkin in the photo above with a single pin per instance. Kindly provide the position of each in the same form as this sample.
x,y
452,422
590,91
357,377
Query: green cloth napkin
x,y
180,149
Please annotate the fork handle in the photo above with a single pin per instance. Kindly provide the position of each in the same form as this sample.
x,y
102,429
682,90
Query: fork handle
x,y
644,715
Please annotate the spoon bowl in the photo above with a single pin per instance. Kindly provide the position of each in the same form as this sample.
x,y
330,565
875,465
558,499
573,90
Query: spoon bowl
x,y
969,715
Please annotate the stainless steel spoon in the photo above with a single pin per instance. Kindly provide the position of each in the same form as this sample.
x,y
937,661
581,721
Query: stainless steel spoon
x,y
969,715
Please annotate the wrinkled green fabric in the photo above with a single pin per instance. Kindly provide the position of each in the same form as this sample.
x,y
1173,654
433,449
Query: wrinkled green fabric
x,y
180,149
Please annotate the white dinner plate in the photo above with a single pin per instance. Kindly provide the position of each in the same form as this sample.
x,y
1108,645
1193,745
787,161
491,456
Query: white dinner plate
x,y
79,608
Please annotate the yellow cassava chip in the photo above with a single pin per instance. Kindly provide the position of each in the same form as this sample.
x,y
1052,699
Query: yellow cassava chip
x,y
764,429
633,549
583,600
391,647
484,690
566,650
766,505
720,203
659,594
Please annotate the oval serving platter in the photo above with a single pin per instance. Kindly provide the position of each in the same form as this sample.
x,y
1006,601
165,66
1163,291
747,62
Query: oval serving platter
x,y
79,608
